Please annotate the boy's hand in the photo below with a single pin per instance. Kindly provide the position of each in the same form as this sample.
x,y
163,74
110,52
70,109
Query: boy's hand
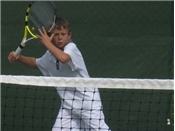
x,y
44,36
12,57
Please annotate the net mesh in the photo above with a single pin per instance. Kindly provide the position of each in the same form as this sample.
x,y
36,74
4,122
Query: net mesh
x,y
27,105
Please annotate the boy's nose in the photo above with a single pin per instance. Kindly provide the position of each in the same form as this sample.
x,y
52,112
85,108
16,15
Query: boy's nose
x,y
60,37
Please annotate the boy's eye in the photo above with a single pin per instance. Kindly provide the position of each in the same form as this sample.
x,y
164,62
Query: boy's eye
x,y
56,34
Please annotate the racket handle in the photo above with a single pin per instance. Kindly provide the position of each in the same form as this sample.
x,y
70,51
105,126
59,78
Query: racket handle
x,y
20,47
18,50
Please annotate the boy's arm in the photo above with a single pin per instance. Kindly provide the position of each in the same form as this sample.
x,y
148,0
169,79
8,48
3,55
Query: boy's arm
x,y
58,53
29,61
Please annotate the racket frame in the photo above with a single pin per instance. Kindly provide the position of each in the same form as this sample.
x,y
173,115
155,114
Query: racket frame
x,y
27,30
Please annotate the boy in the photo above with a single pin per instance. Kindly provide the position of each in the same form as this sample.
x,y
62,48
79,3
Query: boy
x,y
81,108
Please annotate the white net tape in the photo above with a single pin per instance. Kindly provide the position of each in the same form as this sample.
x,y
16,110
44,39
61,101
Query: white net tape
x,y
162,84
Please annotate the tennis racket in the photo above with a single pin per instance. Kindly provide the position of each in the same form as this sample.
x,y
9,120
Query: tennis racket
x,y
38,14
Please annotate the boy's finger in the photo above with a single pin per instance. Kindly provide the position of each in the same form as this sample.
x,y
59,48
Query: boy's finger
x,y
51,37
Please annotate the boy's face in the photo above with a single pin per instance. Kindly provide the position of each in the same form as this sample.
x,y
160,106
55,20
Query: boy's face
x,y
61,37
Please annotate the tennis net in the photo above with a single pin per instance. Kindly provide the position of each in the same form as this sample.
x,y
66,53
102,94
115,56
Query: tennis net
x,y
29,103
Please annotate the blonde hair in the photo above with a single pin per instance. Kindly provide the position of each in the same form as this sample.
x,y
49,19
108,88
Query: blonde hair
x,y
61,22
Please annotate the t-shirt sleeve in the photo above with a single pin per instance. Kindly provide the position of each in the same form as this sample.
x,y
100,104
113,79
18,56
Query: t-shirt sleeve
x,y
41,64
76,61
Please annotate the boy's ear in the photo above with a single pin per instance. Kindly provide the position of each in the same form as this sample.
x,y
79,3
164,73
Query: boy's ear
x,y
70,35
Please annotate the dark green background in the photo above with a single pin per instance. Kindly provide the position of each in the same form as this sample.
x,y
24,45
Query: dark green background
x,y
118,39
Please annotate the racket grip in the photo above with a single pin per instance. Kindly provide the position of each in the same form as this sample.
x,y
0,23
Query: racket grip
x,y
20,47
18,51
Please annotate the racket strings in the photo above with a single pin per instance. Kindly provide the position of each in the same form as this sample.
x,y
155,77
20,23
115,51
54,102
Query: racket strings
x,y
52,12
42,14
34,21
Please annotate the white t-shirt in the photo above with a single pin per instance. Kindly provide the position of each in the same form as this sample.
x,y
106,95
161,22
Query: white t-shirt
x,y
72,98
